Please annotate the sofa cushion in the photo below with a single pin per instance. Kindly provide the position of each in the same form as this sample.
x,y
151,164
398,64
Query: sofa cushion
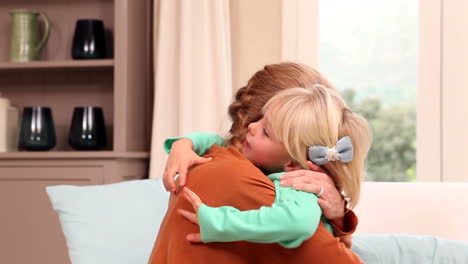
x,y
114,223
418,208
409,249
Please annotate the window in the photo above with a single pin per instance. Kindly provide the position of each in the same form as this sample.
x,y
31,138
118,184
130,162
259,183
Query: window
x,y
369,51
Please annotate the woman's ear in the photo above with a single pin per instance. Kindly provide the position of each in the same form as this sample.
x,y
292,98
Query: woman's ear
x,y
292,166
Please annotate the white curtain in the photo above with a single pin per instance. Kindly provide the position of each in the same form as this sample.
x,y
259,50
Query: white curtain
x,y
192,61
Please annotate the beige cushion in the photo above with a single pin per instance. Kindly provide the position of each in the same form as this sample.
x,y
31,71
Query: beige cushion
x,y
438,209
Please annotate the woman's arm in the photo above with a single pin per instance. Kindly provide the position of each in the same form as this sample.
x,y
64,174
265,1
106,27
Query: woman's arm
x,y
289,221
344,227
333,205
313,180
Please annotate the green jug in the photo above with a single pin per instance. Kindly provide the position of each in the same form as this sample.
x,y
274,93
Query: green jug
x,y
25,42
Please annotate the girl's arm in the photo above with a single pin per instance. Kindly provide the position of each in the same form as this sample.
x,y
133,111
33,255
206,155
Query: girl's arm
x,y
333,206
182,157
201,141
293,218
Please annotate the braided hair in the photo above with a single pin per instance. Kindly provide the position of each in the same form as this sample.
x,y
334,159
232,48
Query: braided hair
x,y
273,78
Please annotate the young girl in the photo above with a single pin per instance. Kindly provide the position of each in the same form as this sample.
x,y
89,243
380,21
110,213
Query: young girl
x,y
245,109
296,124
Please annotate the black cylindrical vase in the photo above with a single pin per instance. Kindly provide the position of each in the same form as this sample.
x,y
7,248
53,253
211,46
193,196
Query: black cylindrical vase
x,y
37,131
89,40
87,130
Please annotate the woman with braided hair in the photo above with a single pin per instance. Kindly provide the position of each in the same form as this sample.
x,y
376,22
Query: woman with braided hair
x,y
246,109
244,187
274,78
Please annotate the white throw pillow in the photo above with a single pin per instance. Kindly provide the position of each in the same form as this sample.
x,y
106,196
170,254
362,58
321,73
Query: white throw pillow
x,y
114,223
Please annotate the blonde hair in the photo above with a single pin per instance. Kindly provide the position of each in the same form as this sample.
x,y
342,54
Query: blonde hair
x,y
318,116
273,78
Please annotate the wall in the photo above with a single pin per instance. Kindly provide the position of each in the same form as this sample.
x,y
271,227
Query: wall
x,y
442,93
255,37
454,90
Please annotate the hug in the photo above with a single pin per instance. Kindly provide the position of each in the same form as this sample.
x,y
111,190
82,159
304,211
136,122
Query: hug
x,y
288,118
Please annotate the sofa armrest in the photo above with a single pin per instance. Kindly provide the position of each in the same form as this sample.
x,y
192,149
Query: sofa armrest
x,y
437,209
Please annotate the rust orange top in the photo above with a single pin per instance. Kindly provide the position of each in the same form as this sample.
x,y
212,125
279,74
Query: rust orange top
x,y
231,179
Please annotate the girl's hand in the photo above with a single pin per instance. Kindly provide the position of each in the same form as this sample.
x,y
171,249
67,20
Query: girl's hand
x,y
331,201
180,159
192,217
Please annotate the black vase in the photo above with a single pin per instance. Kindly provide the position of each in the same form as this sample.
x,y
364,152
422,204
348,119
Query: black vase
x,y
89,40
87,130
37,131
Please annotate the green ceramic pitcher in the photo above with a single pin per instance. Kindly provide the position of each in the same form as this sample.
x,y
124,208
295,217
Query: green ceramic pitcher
x,y
25,42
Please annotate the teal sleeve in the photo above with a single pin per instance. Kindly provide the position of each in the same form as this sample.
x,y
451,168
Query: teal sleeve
x,y
202,142
293,218
327,224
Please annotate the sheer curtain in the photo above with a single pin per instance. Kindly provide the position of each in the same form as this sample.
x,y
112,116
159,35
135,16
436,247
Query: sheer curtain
x,y
192,61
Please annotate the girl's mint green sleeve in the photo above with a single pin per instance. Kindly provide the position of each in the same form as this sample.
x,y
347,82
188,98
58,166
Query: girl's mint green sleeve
x,y
202,142
293,218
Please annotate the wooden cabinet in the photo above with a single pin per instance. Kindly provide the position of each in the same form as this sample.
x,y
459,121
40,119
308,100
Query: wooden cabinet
x,y
30,229
120,84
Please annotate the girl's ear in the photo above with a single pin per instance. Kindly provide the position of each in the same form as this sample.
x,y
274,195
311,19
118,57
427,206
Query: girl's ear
x,y
292,166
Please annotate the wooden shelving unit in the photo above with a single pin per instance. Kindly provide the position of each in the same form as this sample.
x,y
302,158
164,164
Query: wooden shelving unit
x,y
65,64
121,85
64,155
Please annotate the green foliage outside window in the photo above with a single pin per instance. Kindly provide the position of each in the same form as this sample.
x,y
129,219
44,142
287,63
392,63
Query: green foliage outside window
x,y
393,153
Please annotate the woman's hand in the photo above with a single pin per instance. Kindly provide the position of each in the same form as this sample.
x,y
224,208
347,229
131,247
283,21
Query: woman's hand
x,y
192,217
180,159
312,181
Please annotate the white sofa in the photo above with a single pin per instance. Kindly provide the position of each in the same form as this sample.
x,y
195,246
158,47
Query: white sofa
x,y
437,209
118,223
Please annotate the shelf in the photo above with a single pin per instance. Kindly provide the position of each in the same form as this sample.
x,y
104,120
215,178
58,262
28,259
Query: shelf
x,y
66,64
72,155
